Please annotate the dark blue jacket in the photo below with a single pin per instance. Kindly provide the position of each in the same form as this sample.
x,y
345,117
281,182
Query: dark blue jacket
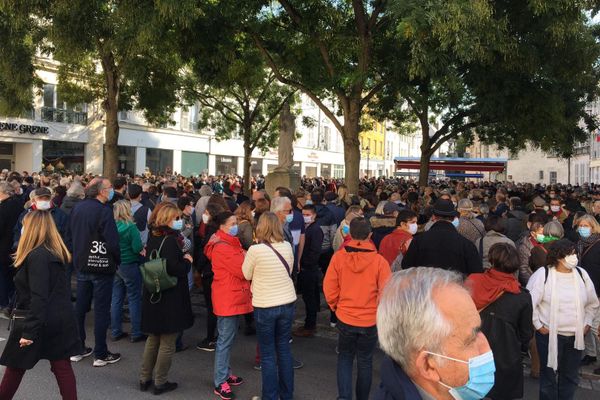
x,y
88,217
61,219
395,384
326,221
313,240
338,212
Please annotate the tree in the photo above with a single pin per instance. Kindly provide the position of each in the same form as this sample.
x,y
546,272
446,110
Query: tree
x,y
513,88
106,55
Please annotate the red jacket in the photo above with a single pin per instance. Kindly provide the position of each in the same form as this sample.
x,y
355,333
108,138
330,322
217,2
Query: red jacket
x,y
394,243
230,290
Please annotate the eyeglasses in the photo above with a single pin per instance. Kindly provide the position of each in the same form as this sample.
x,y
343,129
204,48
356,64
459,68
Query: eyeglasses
x,y
288,211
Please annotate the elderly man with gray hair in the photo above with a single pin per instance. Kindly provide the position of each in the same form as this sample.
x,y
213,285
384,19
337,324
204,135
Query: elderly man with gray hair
x,y
430,330
282,207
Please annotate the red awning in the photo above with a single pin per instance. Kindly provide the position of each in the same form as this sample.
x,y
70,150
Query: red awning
x,y
454,166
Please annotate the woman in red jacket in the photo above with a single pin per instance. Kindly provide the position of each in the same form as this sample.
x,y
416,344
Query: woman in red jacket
x,y
230,296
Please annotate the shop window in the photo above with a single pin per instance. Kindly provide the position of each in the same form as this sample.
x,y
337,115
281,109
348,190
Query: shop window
x,y
63,156
126,160
159,161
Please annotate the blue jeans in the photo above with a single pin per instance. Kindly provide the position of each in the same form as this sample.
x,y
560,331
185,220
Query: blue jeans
x,y
569,360
227,328
274,330
99,288
128,280
359,342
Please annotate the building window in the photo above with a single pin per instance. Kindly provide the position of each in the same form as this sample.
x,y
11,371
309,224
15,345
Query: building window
x,y
49,95
541,177
68,156
225,165
159,161
553,177
184,121
338,171
127,160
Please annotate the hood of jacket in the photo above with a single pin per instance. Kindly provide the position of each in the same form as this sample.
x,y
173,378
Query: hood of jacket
x,y
122,226
220,237
380,221
359,254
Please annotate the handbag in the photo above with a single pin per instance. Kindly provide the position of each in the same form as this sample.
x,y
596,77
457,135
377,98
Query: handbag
x,y
154,275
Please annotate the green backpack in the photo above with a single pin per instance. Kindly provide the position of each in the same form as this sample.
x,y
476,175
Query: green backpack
x,y
155,276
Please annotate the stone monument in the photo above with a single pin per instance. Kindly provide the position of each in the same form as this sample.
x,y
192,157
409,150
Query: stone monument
x,y
283,175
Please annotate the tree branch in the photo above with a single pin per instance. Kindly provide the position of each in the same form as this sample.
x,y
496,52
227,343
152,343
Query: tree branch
x,y
214,107
270,120
443,139
295,84
377,10
262,96
448,124
374,90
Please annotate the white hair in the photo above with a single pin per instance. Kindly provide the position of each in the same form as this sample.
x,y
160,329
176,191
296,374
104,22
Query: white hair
x,y
7,188
76,190
408,320
278,203
379,209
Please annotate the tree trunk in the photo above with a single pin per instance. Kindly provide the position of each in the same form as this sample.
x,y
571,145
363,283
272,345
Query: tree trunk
x,y
247,164
425,153
352,149
111,108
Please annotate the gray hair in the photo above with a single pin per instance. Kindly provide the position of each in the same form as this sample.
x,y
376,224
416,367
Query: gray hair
x,y
76,190
408,320
278,203
95,186
7,188
465,205
554,228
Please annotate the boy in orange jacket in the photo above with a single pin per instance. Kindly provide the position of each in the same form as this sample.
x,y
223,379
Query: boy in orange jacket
x,y
353,285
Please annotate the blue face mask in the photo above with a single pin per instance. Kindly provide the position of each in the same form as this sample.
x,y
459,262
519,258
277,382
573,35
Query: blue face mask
x,y
177,224
481,377
111,194
456,222
308,202
289,218
345,230
584,231
233,231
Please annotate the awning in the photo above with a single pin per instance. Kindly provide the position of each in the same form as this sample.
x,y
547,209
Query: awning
x,y
454,164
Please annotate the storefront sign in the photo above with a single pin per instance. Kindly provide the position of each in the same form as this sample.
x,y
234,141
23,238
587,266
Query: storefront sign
x,y
23,128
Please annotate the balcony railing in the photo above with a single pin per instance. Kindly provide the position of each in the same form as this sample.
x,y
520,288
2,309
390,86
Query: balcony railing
x,y
51,114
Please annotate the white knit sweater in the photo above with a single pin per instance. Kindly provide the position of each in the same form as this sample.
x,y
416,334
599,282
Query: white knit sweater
x,y
271,283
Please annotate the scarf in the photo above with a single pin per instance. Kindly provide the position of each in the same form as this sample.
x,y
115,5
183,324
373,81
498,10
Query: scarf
x,y
488,286
554,300
584,243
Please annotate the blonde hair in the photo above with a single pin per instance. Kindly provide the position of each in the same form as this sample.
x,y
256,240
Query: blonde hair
x,y
122,211
590,220
164,216
39,230
269,229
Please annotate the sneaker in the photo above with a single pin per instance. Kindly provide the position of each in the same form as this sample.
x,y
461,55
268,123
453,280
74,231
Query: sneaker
x,y
298,364
120,336
86,353
257,367
224,391
164,388
144,386
235,380
588,360
207,345
141,338
333,324
110,358
304,332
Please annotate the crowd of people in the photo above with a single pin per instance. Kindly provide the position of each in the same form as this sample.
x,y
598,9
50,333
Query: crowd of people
x,y
457,282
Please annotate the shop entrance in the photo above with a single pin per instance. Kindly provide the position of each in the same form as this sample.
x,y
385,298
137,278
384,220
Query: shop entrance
x,y
7,156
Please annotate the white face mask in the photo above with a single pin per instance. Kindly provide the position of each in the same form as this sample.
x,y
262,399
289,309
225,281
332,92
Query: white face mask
x,y
555,208
205,218
571,261
413,228
42,205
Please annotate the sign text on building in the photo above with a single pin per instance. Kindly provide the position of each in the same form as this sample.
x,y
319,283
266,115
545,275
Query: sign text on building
x,y
24,128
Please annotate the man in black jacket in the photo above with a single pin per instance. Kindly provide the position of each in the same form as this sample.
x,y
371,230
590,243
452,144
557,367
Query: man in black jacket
x,y
10,208
308,277
95,248
442,246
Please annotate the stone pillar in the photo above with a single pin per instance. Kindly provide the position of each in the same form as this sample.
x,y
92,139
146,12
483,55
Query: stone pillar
x,y
140,160
176,161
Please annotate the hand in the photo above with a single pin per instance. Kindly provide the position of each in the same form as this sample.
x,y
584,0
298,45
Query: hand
x,y
25,342
586,329
143,252
188,257
544,331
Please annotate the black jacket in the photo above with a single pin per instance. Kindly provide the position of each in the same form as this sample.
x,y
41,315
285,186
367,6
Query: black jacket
x,y
516,224
381,227
61,220
395,384
173,313
89,217
10,209
69,203
590,261
203,264
506,323
313,240
44,299
442,246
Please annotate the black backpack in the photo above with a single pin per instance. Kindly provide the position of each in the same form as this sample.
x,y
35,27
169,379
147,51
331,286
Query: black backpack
x,y
141,218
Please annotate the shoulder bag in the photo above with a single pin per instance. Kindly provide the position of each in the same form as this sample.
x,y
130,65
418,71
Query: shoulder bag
x,y
283,261
154,275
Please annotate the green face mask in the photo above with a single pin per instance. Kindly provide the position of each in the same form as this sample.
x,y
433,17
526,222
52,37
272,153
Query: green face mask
x,y
540,238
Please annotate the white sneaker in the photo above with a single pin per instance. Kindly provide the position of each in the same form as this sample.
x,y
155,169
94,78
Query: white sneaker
x,y
110,358
86,353
333,324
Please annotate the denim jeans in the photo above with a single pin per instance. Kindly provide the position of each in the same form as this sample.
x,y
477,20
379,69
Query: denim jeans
x,y
308,280
359,342
562,384
96,287
227,328
128,280
274,329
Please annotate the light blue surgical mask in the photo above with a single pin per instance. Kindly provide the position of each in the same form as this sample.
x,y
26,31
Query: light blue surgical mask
x,y
584,231
233,231
345,230
456,222
177,224
308,202
111,194
289,218
481,377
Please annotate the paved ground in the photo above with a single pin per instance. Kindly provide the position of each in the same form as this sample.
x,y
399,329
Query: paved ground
x,y
192,369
